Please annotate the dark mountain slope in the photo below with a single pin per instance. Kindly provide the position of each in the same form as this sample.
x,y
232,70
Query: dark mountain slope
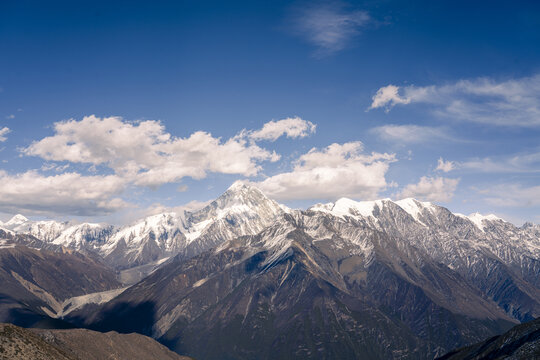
x,y
284,294
522,342
36,282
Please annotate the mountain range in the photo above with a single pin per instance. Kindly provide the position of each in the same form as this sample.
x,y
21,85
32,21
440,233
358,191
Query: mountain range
x,y
247,278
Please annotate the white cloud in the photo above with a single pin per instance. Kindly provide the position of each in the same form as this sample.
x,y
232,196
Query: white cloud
x,y
514,102
408,134
519,163
11,116
147,155
3,132
514,195
291,127
387,97
68,193
330,27
437,189
335,171
445,166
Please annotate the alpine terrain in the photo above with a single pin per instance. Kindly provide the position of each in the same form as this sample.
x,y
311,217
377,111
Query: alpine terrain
x,y
247,278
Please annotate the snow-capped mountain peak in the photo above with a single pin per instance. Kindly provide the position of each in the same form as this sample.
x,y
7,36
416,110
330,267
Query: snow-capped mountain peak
x,y
15,221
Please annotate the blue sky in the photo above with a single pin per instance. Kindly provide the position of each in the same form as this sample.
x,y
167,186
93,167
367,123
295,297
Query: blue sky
x,y
110,111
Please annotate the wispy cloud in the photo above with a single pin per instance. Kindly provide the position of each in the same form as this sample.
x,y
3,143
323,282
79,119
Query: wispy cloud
x,y
516,163
512,194
514,102
330,27
11,116
408,134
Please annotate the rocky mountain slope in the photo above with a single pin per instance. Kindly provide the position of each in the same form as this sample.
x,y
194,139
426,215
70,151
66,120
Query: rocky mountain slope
x,y
77,344
522,342
35,283
251,279
314,284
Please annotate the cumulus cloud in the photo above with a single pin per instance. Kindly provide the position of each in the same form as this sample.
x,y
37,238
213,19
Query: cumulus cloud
x,y
291,127
437,189
408,134
145,153
387,97
445,166
514,102
68,193
3,132
138,153
330,27
335,171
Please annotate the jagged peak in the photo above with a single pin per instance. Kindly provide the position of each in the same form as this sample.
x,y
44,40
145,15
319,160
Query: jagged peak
x,y
238,185
240,193
241,188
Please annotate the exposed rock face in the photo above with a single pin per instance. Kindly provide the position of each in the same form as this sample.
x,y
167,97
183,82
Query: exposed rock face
x,y
522,342
36,282
77,344
250,279
313,285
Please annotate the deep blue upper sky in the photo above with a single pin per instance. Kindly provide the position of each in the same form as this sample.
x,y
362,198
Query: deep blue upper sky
x,y
467,92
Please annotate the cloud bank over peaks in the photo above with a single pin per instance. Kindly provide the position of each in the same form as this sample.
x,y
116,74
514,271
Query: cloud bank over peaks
x,y
124,154
145,154
514,102
67,193
335,171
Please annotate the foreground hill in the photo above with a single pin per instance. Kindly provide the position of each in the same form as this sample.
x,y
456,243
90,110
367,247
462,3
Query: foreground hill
x,y
522,342
77,344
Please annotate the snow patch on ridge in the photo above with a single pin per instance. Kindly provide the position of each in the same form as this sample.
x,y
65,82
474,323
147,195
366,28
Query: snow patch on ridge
x,y
478,219
414,207
347,207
